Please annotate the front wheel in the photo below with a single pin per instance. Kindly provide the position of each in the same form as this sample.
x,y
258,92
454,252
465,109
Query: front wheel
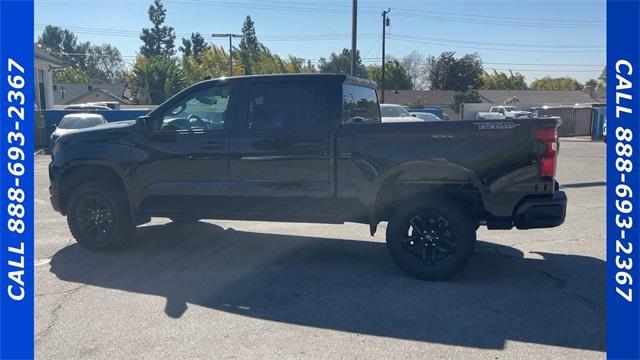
x,y
98,217
431,240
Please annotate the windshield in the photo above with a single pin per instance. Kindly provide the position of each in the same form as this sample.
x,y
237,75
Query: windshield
x,y
394,111
79,123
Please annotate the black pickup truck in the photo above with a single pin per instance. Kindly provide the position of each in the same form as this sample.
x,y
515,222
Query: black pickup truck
x,y
309,148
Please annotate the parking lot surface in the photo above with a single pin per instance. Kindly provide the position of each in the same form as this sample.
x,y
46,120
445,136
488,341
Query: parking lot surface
x,y
234,289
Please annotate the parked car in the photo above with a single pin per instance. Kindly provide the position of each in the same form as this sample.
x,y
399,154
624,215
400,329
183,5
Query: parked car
x,y
510,112
75,122
309,148
424,116
396,113
87,107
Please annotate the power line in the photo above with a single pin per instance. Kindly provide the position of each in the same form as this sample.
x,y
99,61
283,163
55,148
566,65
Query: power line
x,y
339,36
492,49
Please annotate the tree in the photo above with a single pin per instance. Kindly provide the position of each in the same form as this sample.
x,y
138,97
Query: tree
x,y
560,83
591,83
194,46
268,63
158,40
602,81
70,75
503,81
213,62
104,62
249,46
153,80
395,76
414,64
468,96
448,73
84,61
63,43
341,64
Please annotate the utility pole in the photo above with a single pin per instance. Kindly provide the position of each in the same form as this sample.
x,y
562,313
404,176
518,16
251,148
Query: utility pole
x,y
385,22
230,36
354,36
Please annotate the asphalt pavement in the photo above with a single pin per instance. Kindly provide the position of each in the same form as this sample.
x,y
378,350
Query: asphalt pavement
x,y
234,289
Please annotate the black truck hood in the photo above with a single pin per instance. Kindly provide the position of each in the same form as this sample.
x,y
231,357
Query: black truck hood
x,y
104,131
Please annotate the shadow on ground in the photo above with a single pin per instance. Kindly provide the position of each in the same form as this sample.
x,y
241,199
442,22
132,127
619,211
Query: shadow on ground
x,y
353,286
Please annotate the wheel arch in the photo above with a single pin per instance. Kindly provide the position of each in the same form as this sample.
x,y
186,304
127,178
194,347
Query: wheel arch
x,y
403,184
82,172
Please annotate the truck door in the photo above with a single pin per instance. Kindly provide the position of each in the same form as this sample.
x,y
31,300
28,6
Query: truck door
x,y
279,152
186,168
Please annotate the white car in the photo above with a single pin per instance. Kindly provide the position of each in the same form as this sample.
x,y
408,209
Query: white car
x,y
426,116
392,113
75,122
510,112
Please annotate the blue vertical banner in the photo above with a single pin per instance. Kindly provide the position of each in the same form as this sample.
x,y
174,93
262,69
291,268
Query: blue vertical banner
x,y
623,179
17,84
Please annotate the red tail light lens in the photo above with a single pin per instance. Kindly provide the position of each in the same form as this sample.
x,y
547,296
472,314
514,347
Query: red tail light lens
x,y
549,137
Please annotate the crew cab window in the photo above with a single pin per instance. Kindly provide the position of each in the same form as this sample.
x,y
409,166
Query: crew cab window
x,y
281,105
204,110
359,104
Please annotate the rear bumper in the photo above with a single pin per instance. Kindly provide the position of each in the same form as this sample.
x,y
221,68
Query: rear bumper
x,y
541,212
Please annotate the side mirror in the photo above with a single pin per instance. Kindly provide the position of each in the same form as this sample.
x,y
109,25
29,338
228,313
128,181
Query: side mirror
x,y
144,123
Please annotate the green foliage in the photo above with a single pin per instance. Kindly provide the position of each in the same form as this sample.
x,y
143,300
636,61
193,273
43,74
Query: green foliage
x,y
602,81
468,96
268,63
250,47
503,81
341,64
104,62
70,75
153,80
559,83
96,62
213,61
194,46
158,41
395,76
591,83
448,73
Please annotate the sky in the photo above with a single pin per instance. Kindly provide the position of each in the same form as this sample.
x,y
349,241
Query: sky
x,y
535,38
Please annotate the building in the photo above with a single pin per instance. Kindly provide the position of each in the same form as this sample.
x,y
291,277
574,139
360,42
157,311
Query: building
x,y
44,64
76,93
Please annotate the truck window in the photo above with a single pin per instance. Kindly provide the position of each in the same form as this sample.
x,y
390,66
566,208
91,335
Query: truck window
x,y
204,110
281,105
359,104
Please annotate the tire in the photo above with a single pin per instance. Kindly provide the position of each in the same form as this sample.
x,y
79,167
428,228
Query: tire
x,y
443,244
99,218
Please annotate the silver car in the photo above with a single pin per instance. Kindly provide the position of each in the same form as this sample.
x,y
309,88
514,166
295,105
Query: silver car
x,y
75,122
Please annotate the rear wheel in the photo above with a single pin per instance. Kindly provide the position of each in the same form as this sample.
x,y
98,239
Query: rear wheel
x,y
431,240
98,217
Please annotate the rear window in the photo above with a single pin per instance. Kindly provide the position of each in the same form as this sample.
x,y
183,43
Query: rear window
x,y
79,123
359,104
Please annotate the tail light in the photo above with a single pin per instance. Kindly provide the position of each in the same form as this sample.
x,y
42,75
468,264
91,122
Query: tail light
x,y
549,137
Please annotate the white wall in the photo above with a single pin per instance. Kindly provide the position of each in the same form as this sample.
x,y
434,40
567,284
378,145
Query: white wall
x,y
40,64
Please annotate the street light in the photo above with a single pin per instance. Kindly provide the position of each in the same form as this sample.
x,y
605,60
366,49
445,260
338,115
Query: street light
x,y
230,36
